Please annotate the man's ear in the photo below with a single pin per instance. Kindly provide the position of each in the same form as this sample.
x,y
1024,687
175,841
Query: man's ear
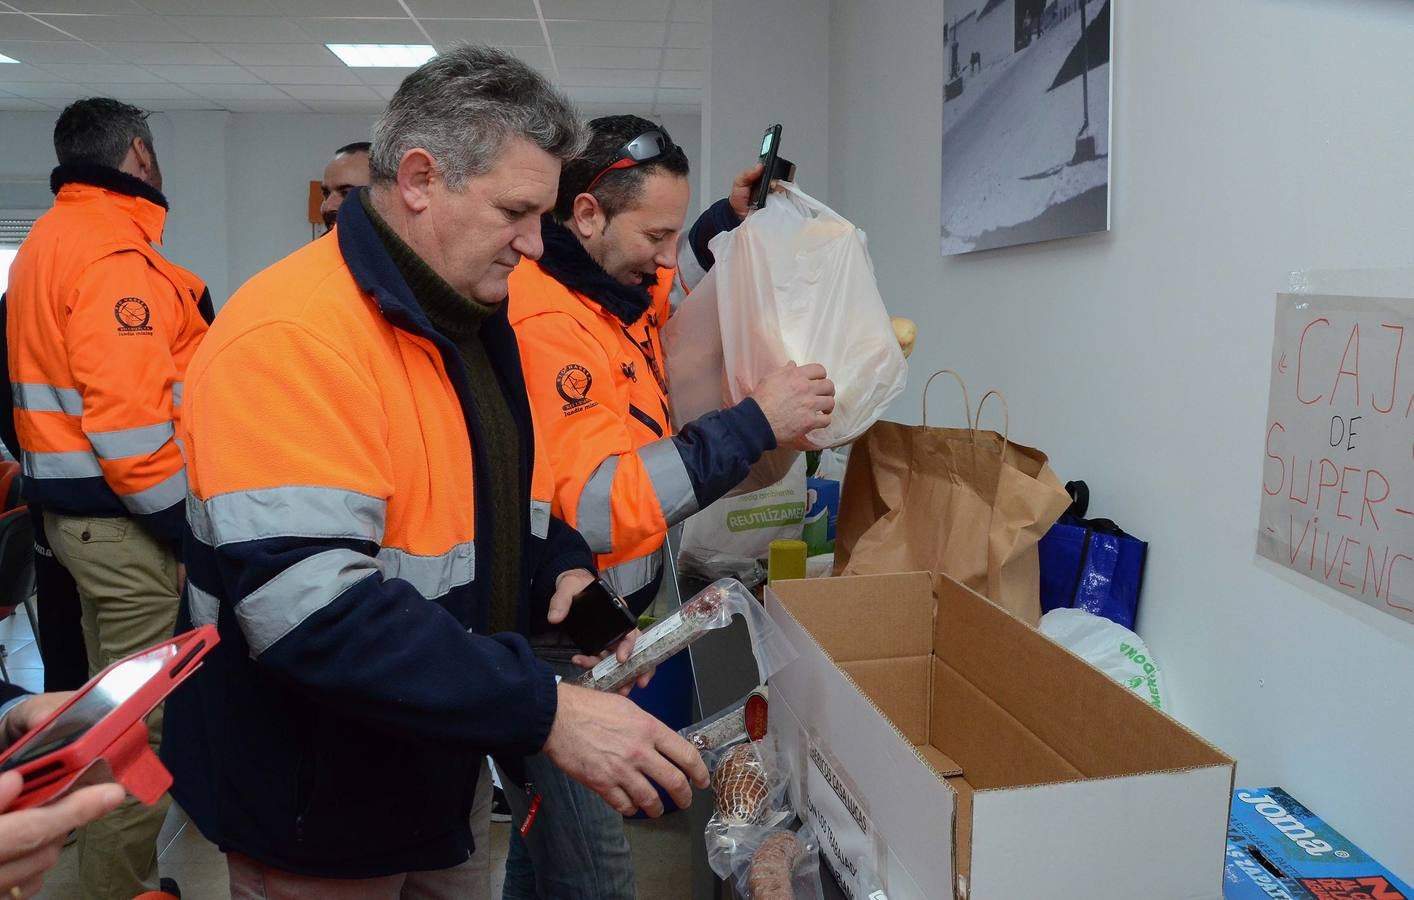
x,y
587,216
417,171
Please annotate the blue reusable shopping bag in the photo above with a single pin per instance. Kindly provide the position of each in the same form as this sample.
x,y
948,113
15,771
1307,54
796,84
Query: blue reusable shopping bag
x,y
1091,564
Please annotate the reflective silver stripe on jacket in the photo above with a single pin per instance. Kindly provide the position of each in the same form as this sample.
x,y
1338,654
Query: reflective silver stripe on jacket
x,y
283,602
539,518
167,492
177,393
432,576
300,511
634,575
73,464
594,512
204,607
666,472
47,398
671,483
124,442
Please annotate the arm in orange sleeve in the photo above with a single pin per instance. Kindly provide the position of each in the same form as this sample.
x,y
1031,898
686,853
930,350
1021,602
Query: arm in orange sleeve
x,y
615,489
123,318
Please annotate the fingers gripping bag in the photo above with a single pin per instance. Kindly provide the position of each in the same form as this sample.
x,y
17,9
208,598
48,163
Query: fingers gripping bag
x,y
711,609
795,284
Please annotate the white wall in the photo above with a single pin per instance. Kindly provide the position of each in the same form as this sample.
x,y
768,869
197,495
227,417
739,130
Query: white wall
x,y
270,160
1251,138
769,64
686,132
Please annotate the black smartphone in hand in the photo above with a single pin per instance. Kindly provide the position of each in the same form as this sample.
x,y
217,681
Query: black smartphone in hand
x,y
770,149
598,619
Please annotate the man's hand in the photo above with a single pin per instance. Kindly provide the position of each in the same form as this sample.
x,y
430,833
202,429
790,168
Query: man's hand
x,y
618,751
28,714
30,839
622,650
796,401
566,586
743,186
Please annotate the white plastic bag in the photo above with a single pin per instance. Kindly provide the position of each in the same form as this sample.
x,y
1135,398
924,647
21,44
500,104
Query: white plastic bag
x,y
794,283
1109,647
730,538
697,381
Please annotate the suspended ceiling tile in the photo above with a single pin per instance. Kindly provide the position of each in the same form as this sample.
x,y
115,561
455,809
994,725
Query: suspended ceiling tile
x,y
215,74
613,10
350,8
606,34
473,9
241,29
497,32
101,73
87,7
306,74
608,77
610,95
61,51
311,53
608,57
186,53
363,31
118,28
240,92
330,92
18,27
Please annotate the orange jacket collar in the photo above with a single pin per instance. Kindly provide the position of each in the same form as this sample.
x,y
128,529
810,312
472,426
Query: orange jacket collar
x,y
136,200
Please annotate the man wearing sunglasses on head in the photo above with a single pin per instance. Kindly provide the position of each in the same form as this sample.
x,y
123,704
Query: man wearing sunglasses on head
x,y
587,316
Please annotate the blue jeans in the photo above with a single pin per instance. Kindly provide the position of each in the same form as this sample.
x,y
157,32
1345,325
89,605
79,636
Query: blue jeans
x,y
576,848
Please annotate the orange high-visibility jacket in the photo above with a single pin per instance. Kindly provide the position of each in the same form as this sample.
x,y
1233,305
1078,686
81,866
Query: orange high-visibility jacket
x,y
593,359
339,540
101,329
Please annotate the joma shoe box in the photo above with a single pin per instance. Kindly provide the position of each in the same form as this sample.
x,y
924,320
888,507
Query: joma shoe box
x,y
1277,849
944,749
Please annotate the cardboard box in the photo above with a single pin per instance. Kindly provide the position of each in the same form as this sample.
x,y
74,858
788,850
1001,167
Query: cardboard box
x,y
1277,849
955,751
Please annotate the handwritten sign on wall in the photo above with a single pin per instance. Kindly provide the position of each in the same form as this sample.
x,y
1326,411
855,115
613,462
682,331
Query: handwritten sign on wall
x,y
1338,475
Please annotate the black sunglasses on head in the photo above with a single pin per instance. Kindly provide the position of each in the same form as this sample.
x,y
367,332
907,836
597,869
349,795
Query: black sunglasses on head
x,y
647,146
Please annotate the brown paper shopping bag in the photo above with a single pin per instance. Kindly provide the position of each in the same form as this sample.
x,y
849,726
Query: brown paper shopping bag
x,y
961,501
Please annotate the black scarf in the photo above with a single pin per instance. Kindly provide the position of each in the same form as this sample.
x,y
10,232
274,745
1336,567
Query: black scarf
x,y
566,260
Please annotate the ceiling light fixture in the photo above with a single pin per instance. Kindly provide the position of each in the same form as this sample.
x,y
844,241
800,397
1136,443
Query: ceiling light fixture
x,y
383,55
6,59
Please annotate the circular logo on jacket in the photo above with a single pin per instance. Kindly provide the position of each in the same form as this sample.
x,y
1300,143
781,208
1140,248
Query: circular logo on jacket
x,y
573,384
132,315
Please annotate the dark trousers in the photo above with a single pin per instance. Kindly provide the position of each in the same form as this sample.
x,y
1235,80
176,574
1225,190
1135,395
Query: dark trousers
x,y
60,616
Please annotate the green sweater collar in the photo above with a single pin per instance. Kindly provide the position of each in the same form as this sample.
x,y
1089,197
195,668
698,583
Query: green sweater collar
x,y
451,312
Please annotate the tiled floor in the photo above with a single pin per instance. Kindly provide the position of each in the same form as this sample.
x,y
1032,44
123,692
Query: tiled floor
x,y
661,849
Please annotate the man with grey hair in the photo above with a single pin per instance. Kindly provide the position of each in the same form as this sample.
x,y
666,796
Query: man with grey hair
x,y
100,330
368,524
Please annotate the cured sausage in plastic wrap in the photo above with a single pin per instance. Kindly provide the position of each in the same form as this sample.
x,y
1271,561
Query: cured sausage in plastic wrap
x,y
773,867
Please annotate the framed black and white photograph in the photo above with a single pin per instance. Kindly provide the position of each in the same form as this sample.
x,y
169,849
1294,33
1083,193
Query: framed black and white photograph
x,y
1026,122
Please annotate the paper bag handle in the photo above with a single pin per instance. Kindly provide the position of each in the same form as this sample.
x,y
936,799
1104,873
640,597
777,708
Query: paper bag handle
x,y
966,402
1006,416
